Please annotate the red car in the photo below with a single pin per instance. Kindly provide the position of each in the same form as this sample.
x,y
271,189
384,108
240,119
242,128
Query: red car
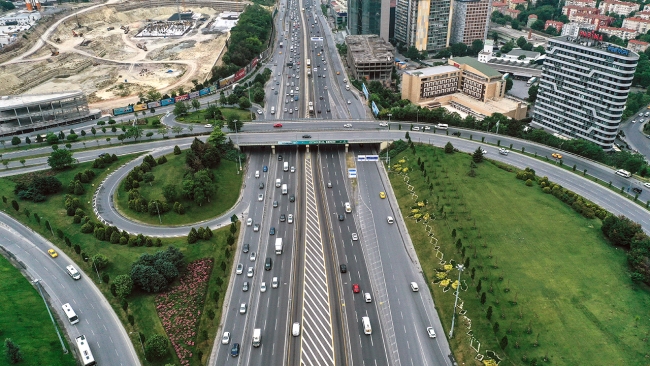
x,y
355,288
277,125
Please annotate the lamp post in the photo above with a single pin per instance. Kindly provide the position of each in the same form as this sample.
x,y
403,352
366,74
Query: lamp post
x,y
251,101
460,268
237,136
37,282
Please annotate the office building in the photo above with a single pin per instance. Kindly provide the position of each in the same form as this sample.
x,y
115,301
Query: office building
x,y
26,113
370,58
423,24
583,88
469,22
369,17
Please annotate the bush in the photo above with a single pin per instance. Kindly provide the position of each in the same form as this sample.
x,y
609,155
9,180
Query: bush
x,y
152,273
100,261
123,286
155,347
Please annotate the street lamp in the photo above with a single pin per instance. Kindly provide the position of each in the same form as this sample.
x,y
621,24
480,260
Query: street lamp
x,y
460,268
237,136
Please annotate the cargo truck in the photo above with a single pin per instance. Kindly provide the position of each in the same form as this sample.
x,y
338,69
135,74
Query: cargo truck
x,y
257,337
278,246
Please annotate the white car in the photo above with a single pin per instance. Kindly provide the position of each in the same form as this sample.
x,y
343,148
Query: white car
x,y
242,308
250,272
647,185
355,237
293,169
290,217
226,338
275,283
260,197
503,151
349,102
390,219
253,256
263,287
249,222
483,151
383,124
240,269
208,126
256,227
414,287
348,125
426,128
416,128
431,332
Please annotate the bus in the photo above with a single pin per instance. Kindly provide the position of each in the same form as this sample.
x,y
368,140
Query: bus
x,y
72,316
623,173
308,63
84,350
531,81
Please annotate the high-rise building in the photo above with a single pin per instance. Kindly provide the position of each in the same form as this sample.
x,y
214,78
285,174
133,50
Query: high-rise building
x,y
469,21
583,88
369,17
423,24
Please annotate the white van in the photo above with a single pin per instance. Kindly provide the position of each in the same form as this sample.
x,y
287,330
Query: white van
x,y
348,208
295,329
73,272
257,174
623,173
72,316
367,328
278,183
272,110
367,297
284,189
442,126
257,337
286,166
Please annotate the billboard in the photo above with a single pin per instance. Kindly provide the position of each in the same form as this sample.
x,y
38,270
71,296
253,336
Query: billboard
x,y
365,90
375,110
205,91
194,95
153,104
240,74
139,107
226,81
182,97
167,101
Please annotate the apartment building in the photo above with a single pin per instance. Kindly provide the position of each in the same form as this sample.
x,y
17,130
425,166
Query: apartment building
x,y
424,24
582,3
555,24
470,21
638,24
622,8
572,29
622,33
584,87
637,46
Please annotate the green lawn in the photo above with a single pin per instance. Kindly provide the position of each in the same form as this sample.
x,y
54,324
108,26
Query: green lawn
x,y
141,305
199,116
228,186
565,281
24,319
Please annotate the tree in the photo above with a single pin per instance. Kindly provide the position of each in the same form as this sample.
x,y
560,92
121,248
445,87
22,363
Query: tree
x,y
515,24
244,103
521,41
93,130
6,164
51,138
100,261
532,93
196,104
134,132
483,298
12,350
28,141
235,123
123,286
149,134
504,342
477,157
22,161
163,131
412,53
155,347
509,83
177,129
449,148
170,193
495,327
192,237
180,109
149,178
15,140
15,205
489,313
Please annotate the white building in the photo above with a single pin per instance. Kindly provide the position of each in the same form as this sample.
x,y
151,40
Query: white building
x,y
487,54
520,56
572,29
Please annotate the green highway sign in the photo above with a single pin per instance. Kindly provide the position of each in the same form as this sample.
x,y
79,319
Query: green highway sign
x,y
312,142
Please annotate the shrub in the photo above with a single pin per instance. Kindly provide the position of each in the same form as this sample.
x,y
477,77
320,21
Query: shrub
x,y
156,347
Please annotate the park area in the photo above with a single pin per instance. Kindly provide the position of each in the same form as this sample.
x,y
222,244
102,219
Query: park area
x,y
540,275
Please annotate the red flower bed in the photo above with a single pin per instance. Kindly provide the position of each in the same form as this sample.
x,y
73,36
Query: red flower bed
x,y
179,308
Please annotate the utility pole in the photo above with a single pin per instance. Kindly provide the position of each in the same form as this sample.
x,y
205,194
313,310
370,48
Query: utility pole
x,y
37,282
453,318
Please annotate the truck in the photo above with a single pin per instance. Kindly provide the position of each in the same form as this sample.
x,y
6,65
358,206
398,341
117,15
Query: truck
x,y
257,336
278,245
311,108
284,189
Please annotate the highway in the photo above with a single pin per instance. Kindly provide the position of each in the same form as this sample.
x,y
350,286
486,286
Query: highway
x,y
108,340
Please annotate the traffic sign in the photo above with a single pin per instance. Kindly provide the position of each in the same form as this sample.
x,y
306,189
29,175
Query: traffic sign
x,y
352,173
313,142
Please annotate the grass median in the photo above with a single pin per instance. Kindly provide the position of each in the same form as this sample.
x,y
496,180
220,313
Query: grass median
x,y
557,289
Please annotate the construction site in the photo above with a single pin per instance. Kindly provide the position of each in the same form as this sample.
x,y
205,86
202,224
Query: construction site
x,y
115,51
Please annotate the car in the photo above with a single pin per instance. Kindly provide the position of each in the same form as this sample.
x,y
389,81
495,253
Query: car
x,y
329,184
338,73
328,109
296,109
637,190
321,97
646,185
503,151
556,155
293,169
341,217
345,80
272,87
265,168
325,87
242,308
383,124
250,272
290,111
292,198
483,151
263,287
52,253
349,101
275,283
382,195
240,269
225,339
356,288
234,351
102,155
283,218
256,227
272,230
280,157
275,204
208,125
367,297
245,248
249,222
290,219
355,237
285,109
276,92
431,332
260,197
455,133
306,136
347,125
390,219
414,287
277,125
252,257
416,128
245,286
426,128
343,267
261,185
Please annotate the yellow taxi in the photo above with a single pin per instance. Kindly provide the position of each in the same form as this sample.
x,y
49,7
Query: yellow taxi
x,y
52,253
556,155
338,73
382,195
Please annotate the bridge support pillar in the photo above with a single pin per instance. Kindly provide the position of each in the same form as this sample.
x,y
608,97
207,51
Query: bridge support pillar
x,y
347,147
272,149
383,145
307,146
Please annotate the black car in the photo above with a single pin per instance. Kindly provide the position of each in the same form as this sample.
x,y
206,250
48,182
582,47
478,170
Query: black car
x,y
341,217
306,136
344,268
234,351
280,157
456,133
292,198
282,218
261,185
275,204
272,231
637,190
246,248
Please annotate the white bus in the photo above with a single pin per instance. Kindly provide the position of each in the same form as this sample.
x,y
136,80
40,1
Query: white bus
x,y
72,316
87,358
442,126
623,173
367,328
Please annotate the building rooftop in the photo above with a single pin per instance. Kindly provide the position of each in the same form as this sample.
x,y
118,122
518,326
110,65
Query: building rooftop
x,y
368,48
12,101
435,70
518,52
636,41
472,62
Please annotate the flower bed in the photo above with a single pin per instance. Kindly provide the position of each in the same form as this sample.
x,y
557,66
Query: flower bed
x,y
179,308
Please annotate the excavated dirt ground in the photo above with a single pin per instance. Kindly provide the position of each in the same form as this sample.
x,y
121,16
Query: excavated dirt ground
x,y
111,68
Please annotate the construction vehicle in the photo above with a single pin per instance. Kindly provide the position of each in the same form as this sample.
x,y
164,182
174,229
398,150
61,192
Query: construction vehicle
x,y
54,51
85,42
74,34
110,28
142,46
